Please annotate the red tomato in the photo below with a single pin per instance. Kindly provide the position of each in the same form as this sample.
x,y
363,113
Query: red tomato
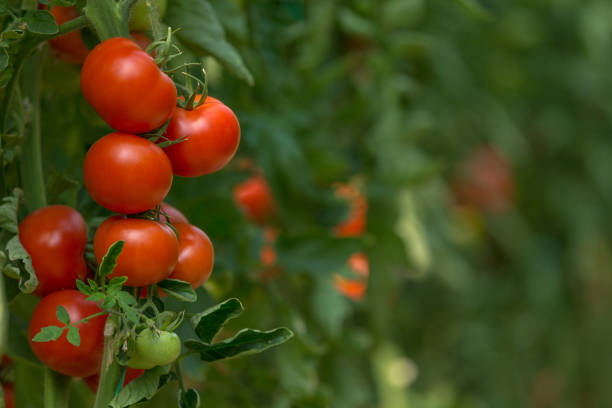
x,y
213,135
130,375
55,238
126,87
355,224
60,355
126,173
173,215
69,47
484,181
9,395
149,254
254,198
359,264
141,39
351,288
196,255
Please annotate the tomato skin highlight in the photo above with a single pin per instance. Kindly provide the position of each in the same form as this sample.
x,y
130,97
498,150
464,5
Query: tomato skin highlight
x,y
126,88
127,173
60,355
69,47
130,375
55,237
196,255
150,251
254,198
213,135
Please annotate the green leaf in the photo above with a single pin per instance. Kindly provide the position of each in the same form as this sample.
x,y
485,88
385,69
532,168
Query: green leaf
x,y
108,303
126,301
126,298
96,297
27,278
208,323
246,342
109,260
83,288
169,321
40,22
178,289
141,389
115,284
202,31
189,399
62,315
73,336
48,333
9,207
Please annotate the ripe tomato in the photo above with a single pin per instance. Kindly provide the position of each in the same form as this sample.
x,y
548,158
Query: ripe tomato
x,y
69,47
9,395
155,349
254,198
141,39
351,288
355,224
130,375
139,20
150,251
126,87
359,264
213,135
484,181
196,255
173,214
60,355
55,237
126,173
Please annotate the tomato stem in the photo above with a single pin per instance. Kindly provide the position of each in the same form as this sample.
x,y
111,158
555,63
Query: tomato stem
x,y
156,26
109,17
109,370
179,374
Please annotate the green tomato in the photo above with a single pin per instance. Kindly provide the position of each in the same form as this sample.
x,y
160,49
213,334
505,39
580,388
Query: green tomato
x,y
139,21
155,349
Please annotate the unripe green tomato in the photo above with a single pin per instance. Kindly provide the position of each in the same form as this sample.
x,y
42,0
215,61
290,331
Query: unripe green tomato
x,y
139,21
153,349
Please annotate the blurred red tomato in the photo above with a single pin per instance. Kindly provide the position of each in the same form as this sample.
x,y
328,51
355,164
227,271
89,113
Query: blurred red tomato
x,y
9,395
484,180
355,224
69,47
254,198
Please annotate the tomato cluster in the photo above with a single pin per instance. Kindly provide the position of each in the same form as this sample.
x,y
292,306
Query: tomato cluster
x,y
128,173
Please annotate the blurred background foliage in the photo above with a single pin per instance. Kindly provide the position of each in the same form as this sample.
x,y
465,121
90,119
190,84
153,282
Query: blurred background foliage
x,y
479,132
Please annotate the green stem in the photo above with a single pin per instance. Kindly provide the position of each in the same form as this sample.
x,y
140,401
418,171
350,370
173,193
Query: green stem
x,y
3,315
156,26
179,375
31,162
110,370
55,393
49,389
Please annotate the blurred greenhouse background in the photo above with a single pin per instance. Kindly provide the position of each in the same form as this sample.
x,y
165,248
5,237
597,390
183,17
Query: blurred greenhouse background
x,y
480,133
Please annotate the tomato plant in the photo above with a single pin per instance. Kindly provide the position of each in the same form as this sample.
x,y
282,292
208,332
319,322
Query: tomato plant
x,y
126,173
150,253
55,238
212,135
126,88
62,355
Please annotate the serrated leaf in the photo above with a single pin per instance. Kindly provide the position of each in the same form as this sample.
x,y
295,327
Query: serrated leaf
x,y
73,336
246,342
178,289
47,333
83,288
27,278
62,315
40,22
202,31
208,323
141,389
109,260
10,204
115,284
172,324
96,297
189,399
108,303
126,298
